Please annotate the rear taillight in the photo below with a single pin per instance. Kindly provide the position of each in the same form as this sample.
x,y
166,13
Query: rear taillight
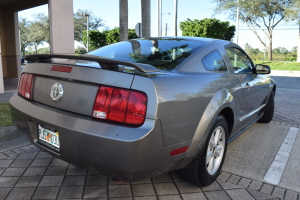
x,y
120,105
25,85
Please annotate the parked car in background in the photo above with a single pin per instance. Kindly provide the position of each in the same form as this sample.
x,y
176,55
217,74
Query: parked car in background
x,y
22,61
143,107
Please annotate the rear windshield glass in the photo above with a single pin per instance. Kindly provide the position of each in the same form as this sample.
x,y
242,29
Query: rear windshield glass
x,y
165,54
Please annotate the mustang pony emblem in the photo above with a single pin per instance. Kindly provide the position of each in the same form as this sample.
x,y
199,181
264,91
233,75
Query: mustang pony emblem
x,y
57,92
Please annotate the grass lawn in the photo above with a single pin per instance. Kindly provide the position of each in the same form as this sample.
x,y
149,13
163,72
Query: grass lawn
x,y
5,118
289,66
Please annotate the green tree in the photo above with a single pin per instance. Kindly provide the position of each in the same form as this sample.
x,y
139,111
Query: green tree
x,y
132,34
33,33
80,22
113,35
210,28
294,49
254,53
80,50
39,28
44,50
96,39
262,15
24,31
36,32
280,50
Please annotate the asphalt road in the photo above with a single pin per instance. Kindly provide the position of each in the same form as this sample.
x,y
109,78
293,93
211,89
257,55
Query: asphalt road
x,y
287,82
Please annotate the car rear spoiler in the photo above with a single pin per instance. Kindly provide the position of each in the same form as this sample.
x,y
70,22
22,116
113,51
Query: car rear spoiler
x,y
105,63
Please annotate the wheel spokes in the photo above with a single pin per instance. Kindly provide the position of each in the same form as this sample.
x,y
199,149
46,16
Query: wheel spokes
x,y
215,150
218,135
211,164
211,143
208,156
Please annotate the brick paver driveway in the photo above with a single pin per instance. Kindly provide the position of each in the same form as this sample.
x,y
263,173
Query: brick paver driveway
x,y
29,173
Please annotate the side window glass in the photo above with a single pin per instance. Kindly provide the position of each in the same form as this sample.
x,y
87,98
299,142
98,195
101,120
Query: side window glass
x,y
214,62
239,60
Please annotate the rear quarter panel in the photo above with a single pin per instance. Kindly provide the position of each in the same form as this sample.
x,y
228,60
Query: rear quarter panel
x,y
182,101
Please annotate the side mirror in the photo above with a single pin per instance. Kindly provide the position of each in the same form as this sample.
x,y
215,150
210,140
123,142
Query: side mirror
x,y
262,69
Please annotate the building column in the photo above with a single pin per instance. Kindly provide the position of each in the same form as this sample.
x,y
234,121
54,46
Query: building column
x,y
61,26
10,44
1,65
1,76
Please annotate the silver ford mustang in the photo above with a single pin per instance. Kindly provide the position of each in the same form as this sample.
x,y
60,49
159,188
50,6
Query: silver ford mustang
x,y
143,107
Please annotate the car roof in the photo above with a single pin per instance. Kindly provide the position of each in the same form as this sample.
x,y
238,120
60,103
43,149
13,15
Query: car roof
x,y
202,39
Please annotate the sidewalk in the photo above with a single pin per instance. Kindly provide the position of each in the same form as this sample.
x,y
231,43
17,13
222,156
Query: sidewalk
x,y
285,73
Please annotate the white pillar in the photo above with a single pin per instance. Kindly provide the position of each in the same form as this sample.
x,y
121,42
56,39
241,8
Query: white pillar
x,y
61,26
159,13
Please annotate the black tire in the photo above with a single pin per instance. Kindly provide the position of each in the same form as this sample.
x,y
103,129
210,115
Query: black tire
x,y
197,171
268,110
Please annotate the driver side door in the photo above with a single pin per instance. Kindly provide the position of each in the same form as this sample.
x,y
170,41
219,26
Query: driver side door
x,y
253,93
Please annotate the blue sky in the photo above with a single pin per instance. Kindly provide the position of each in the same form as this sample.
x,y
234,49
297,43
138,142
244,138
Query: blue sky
x,y
285,35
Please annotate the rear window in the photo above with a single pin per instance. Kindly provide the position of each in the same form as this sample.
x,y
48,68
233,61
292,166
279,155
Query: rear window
x,y
165,54
214,62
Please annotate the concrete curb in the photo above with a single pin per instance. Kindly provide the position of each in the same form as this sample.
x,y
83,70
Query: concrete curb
x,y
8,133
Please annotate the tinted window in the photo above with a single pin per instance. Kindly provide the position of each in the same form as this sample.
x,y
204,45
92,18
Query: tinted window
x,y
164,54
214,62
239,60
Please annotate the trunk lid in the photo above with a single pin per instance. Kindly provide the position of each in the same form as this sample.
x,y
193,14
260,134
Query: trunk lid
x,y
79,86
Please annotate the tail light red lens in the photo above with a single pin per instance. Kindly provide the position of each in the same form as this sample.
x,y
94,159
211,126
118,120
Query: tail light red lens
x,y
136,109
120,105
25,85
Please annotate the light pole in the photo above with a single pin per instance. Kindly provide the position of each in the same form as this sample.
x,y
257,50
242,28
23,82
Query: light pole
x,y
87,31
175,17
237,22
166,24
298,51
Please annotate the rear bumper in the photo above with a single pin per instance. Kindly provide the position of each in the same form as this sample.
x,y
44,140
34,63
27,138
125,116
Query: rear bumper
x,y
121,152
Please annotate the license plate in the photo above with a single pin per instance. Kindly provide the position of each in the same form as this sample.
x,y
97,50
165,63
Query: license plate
x,y
48,136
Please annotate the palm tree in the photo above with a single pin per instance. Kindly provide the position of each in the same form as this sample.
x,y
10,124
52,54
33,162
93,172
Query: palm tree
x,y
123,19
146,18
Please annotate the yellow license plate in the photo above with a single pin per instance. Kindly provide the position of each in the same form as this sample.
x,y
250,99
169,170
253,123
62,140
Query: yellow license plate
x,y
49,137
